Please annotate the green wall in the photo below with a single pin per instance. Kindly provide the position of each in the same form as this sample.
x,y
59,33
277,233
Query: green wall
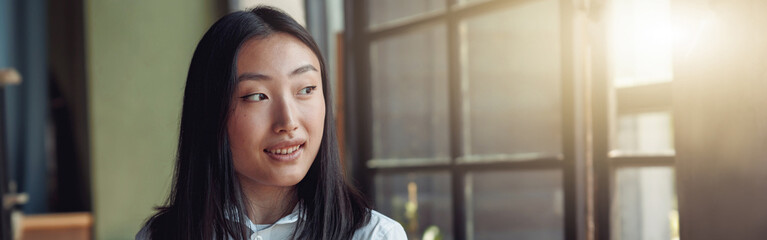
x,y
138,53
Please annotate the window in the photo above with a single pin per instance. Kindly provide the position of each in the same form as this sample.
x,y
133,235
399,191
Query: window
x,y
464,125
494,119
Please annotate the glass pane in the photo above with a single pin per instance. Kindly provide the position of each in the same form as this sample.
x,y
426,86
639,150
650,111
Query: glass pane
x,y
644,133
409,93
386,11
512,72
419,201
644,204
640,38
516,205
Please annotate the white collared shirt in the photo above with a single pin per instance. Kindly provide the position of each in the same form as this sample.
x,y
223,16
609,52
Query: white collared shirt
x,y
379,227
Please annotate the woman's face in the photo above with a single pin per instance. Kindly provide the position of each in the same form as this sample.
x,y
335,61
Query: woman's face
x,y
276,121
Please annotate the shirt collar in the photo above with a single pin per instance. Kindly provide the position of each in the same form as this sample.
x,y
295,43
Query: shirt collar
x,y
289,219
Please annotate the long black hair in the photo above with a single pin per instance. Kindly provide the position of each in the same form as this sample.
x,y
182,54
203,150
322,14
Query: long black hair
x,y
206,200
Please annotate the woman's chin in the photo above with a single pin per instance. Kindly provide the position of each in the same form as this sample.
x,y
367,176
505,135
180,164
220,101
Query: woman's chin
x,y
287,179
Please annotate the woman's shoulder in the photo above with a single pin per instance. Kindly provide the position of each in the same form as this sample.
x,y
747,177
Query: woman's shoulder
x,y
160,219
380,227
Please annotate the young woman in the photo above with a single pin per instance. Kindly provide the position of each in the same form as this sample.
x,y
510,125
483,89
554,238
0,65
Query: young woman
x,y
257,154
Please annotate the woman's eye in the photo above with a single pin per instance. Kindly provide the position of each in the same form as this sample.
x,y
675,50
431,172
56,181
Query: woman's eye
x,y
256,97
307,90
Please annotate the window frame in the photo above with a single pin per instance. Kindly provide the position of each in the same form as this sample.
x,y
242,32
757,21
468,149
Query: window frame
x,y
359,124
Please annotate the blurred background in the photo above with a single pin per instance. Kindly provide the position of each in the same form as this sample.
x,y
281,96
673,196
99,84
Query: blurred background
x,y
460,119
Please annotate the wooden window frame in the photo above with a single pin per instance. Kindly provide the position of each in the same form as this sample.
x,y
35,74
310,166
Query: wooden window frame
x,y
359,118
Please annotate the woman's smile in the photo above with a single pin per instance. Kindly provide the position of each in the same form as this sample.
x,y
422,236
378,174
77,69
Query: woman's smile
x,y
286,150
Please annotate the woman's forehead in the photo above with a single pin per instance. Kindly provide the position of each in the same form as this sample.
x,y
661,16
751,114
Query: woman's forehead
x,y
276,54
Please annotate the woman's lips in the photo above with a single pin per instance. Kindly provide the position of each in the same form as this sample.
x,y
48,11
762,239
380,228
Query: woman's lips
x,y
285,153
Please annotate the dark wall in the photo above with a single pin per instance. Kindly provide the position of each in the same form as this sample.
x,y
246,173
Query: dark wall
x,y
70,187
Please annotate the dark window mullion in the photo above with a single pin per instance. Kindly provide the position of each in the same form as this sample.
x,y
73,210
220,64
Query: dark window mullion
x,y
641,161
526,165
357,100
458,174
407,162
571,178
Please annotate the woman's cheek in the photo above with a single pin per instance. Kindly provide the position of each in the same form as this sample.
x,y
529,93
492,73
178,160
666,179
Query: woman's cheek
x,y
245,123
319,114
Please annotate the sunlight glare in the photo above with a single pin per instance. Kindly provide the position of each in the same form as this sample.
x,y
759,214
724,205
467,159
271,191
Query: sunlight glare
x,y
641,39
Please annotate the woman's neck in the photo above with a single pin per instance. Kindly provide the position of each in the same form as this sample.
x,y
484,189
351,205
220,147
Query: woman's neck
x,y
267,204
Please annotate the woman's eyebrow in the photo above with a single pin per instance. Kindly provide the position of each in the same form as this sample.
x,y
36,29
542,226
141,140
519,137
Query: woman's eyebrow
x,y
303,69
252,76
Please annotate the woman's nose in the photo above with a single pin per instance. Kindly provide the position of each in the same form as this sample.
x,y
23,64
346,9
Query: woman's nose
x,y
286,117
